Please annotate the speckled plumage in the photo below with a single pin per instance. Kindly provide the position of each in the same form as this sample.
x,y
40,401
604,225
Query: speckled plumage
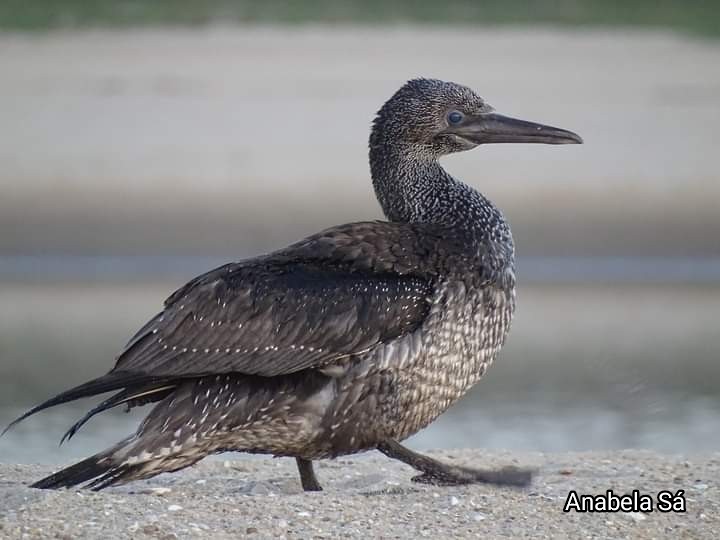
x,y
346,341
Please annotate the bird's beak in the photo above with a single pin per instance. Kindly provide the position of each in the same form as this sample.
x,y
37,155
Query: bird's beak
x,y
496,128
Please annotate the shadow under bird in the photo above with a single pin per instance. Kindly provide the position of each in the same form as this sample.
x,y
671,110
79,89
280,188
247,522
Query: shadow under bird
x,y
350,340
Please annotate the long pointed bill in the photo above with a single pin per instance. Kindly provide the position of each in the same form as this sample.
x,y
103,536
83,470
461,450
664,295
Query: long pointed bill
x,y
496,128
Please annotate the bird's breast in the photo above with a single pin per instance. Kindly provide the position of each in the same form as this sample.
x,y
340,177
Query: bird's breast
x,y
403,385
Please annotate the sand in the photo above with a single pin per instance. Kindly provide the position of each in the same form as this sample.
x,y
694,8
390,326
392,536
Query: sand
x,y
370,496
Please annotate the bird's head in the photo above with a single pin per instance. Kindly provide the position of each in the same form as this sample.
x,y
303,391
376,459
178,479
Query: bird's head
x,y
434,118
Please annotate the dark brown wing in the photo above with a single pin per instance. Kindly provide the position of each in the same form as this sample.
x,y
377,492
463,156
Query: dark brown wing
x,y
334,294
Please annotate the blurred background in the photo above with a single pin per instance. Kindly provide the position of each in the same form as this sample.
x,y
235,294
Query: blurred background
x,y
143,142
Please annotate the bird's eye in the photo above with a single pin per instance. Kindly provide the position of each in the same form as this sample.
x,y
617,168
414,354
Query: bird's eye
x,y
455,117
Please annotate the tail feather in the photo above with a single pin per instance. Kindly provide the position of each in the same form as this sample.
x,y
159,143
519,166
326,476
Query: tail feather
x,y
130,396
107,383
113,477
154,448
179,431
84,471
107,468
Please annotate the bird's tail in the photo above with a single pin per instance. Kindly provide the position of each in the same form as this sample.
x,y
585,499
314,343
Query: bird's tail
x,y
195,418
164,441
112,381
133,458
99,468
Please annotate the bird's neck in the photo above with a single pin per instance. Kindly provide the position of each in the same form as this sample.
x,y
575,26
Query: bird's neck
x,y
414,188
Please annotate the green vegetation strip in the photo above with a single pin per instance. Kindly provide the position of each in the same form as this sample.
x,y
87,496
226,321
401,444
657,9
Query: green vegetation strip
x,y
694,16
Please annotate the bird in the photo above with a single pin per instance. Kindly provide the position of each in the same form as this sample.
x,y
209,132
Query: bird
x,y
349,340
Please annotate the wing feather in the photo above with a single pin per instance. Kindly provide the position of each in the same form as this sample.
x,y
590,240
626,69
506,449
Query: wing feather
x,y
329,296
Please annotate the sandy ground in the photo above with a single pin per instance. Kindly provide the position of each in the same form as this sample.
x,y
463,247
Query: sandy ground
x,y
370,497
239,139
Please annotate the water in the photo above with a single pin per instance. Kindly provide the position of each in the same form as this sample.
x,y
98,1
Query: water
x,y
594,360
568,269
181,153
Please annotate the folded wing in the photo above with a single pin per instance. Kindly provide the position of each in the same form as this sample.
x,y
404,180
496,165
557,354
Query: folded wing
x,y
335,294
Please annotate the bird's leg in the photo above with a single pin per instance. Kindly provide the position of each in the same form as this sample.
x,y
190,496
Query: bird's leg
x,y
307,475
437,473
